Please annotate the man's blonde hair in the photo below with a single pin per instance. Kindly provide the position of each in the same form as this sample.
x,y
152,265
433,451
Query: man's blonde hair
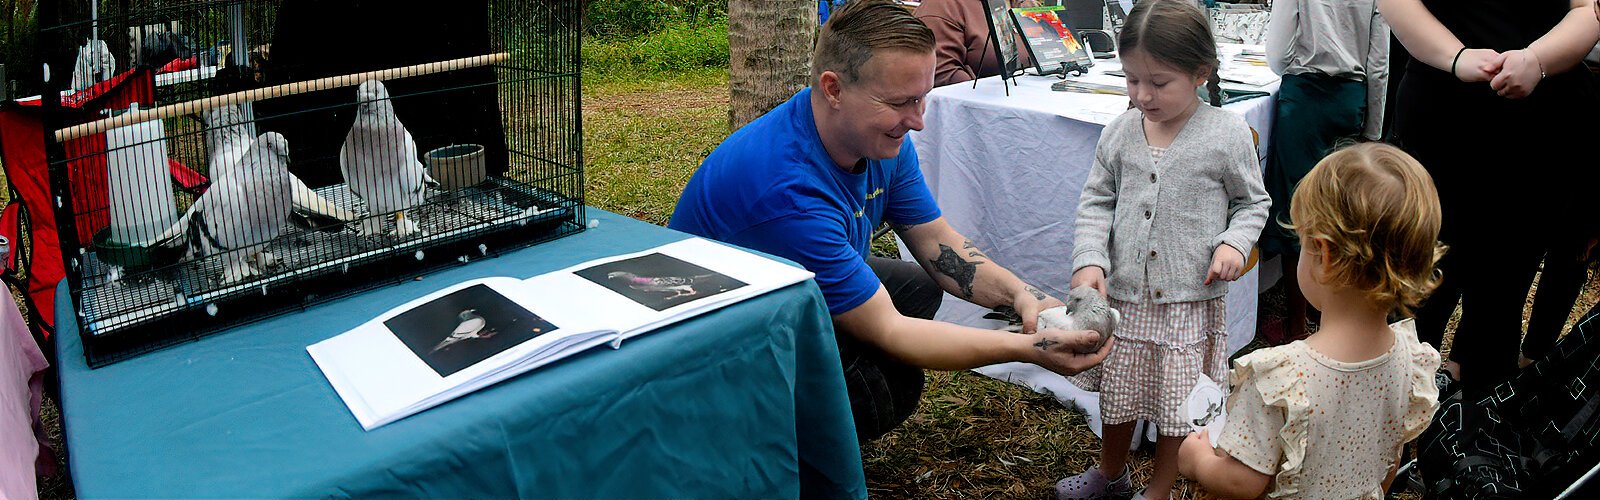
x,y
862,28
1378,212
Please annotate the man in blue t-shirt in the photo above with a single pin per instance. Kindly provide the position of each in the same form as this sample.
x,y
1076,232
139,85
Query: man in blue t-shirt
x,y
811,179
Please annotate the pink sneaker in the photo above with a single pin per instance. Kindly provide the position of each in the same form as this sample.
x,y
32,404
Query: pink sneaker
x,y
1093,485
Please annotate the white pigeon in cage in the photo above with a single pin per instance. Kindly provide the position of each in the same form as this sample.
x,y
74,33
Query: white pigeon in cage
x,y
248,206
229,139
379,162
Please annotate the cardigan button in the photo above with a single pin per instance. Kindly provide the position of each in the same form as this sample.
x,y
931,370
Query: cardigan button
x,y
1146,215
1152,177
1152,254
1158,294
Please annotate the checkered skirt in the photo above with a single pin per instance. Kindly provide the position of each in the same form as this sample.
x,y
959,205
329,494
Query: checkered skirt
x,y
1160,351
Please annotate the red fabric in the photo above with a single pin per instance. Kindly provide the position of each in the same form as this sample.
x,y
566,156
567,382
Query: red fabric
x,y
22,149
179,65
22,146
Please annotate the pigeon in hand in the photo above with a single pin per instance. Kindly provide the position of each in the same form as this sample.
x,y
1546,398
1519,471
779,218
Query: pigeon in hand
x,y
247,206
379,162
678,286
228,139
1086,309
472,326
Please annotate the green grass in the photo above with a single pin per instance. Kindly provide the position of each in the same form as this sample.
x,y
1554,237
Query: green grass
x,y
644,137
678,47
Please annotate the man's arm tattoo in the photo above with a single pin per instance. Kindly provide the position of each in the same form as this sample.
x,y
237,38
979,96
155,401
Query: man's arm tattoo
x,y
972,250
1045,343
1037,295
951,264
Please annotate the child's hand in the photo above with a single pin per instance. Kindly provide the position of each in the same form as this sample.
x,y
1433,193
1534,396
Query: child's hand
x,y
1195,449
1091,275
1226,264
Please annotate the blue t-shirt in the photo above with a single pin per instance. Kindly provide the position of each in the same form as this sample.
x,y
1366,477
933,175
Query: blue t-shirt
x,y
772,187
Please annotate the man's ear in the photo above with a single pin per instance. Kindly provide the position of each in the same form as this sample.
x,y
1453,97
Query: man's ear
x,y
830,86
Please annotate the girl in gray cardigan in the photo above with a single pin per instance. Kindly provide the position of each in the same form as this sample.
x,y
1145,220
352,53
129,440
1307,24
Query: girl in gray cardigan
x,y
1172,207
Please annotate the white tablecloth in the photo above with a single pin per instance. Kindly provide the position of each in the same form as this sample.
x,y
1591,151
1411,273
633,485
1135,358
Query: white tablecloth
x,y
1007,171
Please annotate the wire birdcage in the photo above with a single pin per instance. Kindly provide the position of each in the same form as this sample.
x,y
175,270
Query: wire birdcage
x,y
267,155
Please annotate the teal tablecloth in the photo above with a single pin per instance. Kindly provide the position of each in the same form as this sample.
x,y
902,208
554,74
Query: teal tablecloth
x,y
746,402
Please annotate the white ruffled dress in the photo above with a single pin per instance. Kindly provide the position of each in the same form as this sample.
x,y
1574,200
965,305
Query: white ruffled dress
x,y
1325,428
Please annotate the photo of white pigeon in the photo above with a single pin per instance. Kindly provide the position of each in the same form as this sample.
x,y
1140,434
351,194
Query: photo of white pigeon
x,y
379,162
678,286
248,206
472,326
227,137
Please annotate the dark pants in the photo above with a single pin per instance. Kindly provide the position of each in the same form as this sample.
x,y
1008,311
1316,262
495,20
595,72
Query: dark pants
x,y
884,392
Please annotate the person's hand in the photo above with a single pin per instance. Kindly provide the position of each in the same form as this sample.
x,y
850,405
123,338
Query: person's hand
x,y
1056,350
1195,449
1090,275
1516,73
1028,302
1477,65
1226,264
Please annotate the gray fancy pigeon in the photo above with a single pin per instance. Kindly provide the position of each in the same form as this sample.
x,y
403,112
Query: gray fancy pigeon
x,y
678,286
1086,309
379,162
471,327
247,206
228,139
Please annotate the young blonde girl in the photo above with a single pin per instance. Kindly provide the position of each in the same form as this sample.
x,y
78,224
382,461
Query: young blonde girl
x,y
1172,206
1326,417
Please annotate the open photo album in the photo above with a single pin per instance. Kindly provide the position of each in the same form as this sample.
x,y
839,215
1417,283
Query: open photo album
x,y
473,334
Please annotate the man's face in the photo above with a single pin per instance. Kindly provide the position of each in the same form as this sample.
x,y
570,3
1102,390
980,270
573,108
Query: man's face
x,y
879,108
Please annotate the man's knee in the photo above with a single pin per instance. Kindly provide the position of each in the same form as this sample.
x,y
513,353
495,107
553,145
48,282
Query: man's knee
x,y
883,392
913,292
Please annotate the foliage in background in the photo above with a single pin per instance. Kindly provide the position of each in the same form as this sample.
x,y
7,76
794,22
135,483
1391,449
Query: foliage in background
x,y
679,46
626,18
17,47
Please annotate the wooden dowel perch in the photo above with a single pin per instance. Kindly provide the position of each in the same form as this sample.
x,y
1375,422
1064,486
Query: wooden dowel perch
x,y
332,82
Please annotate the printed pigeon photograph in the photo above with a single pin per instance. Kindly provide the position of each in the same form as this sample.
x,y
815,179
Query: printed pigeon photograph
x,y
469,325
659,281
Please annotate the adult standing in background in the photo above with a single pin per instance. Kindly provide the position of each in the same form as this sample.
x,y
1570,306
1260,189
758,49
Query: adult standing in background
x,y
1333,55
1495,103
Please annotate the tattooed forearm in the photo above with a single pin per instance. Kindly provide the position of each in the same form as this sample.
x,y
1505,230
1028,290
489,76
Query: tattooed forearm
x,y
901,228
1044,344
972,250
1037,295
951,264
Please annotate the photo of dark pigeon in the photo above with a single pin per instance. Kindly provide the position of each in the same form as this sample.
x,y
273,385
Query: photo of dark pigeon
x,y
678,286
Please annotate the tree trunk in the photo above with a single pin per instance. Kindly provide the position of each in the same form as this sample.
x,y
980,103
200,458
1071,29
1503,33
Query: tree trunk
x,y
769,45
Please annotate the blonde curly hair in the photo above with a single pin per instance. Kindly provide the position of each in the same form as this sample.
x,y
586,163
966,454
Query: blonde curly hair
x,y
1377,211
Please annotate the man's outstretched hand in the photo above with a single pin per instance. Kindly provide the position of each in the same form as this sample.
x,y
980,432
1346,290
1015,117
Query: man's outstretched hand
x,y
1057,350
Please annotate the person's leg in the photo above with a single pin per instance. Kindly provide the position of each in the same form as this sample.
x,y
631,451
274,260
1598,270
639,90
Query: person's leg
x,y
883,391
1562,279
1115,439
1166,469
1487,337
913,292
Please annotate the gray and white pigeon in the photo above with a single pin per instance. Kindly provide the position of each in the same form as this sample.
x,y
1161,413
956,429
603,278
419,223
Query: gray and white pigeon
x,y
472,326
247,206
379,162
1086,309
228,139
678,286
